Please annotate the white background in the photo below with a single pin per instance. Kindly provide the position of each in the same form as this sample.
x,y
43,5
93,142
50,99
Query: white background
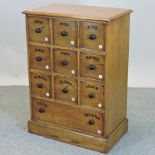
x,y
13,58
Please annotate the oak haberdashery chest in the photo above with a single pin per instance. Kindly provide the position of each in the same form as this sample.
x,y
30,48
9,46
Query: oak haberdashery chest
x,y
78,68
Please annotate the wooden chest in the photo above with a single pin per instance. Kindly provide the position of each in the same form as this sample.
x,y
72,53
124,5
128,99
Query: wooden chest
x,y
78,66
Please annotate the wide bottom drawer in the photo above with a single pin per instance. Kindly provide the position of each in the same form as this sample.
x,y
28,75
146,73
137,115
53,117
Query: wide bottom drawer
x,y
68,116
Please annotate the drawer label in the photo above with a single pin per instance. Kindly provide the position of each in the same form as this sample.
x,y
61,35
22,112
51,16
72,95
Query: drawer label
x,y
92,27
64,24
42,104
38,21
92,115
91,86
39,49
65,53
92,57
40,77
62,82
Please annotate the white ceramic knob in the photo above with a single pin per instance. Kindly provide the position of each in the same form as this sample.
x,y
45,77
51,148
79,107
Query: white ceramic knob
x,y
73,72
99,132
73,99
100,46
47,94
47,67
72,42
100,76
99,105
46,39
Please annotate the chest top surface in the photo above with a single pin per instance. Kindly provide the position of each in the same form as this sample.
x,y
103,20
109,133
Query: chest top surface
x,y
79,11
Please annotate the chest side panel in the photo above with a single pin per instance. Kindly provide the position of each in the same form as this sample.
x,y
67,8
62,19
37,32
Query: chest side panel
x,y
116,72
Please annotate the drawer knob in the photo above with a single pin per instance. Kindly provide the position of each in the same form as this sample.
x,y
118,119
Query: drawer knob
x,y
64,62
100,46
47,94
91,67
72,42
73,99
99,132
39,85
64,33
42,110
65,90
38,30
91,95
39,58
47,67
99,105
91,122
73,72
46,39
100,76
92,36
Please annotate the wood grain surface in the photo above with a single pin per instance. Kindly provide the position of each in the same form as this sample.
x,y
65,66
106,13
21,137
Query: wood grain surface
x,y
116,73
87,60
91,28
38,29
40,58
67,116
65,61
90,88
79,11
66,89
40,84
65,31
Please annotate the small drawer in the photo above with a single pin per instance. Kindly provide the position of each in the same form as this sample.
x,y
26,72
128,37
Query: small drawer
x,y
38,29
65,32
92,35
40,85
68,116
92,95
66,89
40,58
65,62
92,66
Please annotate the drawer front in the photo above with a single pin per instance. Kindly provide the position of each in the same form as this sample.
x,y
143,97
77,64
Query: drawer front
x,y
92,95
92,35
40,58
39,29
40,85
68,116
66,89
65,32
65,62
92,66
